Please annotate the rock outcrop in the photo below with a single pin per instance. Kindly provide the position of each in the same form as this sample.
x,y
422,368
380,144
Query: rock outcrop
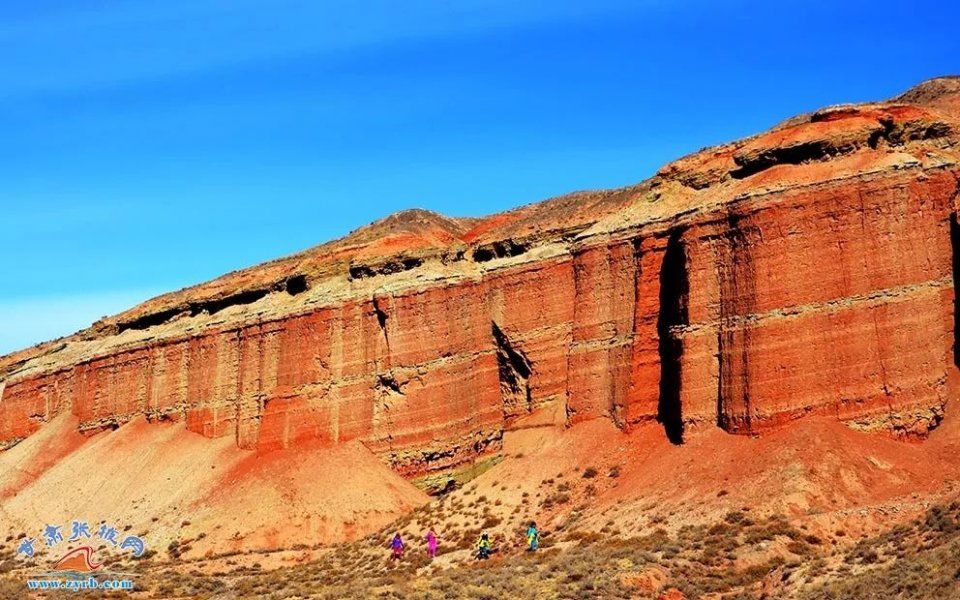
x,y
808,270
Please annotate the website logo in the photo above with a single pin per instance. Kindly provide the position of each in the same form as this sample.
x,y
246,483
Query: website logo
x,y
78,567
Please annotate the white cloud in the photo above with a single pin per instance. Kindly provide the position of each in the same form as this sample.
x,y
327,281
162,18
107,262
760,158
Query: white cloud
x,y
28,321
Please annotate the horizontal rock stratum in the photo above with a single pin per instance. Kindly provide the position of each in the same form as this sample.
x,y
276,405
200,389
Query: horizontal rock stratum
x,y
808,270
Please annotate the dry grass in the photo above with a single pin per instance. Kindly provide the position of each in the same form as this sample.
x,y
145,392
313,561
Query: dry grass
x,y
737,556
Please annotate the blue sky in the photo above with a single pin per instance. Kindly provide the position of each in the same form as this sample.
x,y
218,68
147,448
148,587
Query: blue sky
x,y
146,146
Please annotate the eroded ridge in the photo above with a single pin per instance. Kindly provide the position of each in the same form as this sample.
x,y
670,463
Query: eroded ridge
x,y
808,270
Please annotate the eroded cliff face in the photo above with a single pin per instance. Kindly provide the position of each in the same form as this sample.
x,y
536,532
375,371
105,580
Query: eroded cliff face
x,y
807,270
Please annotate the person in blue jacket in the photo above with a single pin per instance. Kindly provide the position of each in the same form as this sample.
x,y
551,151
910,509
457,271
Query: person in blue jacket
x,y
533,537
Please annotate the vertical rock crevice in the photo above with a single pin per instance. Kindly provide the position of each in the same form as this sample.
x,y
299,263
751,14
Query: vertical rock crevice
x,y
514,370
674,291
955,271
738,290
382,318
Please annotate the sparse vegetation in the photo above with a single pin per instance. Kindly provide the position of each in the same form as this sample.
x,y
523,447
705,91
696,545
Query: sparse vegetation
x,y
916,560
738,556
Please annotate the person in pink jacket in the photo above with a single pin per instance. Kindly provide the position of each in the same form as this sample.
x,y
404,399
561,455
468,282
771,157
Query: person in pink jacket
x,y
432,543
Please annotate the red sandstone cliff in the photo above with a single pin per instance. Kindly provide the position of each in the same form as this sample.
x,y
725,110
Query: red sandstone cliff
x,y
808,270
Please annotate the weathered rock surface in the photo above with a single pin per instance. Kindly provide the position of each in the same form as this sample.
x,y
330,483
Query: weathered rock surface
x,y
809,270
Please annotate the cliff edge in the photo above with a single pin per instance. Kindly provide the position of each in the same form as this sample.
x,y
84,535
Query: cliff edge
x,y
808,270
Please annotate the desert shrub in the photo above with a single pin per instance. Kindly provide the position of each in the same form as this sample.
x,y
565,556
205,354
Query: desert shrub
x,y
490,522
734,516
174,550
555,499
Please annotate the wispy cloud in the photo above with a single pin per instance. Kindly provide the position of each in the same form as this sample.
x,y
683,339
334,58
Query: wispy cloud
x,y
131,42
28,321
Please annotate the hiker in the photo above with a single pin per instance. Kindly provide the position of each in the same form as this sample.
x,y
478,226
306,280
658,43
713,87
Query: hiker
x,y
484,547
431,538
533,537
397,546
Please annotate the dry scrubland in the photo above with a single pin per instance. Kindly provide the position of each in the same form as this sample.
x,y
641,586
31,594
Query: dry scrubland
x,y
739,557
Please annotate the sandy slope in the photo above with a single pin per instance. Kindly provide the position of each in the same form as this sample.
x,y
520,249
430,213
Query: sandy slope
x,y
161,480
305,495
32,457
